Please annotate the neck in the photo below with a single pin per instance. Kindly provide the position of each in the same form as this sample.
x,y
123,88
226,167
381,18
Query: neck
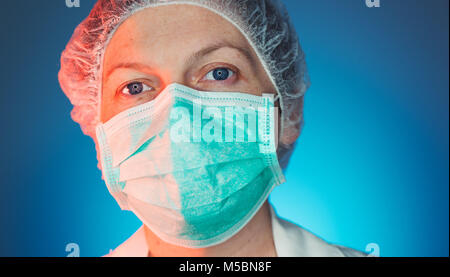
x,y
254,240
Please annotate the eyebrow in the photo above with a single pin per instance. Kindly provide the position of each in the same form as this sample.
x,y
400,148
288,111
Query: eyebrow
x,y
216,46
197,55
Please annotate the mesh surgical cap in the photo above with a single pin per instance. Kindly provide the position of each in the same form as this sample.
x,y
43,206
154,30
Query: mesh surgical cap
x,y
265,24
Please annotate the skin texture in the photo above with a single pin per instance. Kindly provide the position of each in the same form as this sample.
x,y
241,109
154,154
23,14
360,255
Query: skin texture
x,y
156,46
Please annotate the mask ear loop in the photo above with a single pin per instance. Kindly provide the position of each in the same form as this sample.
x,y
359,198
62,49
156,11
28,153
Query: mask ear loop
x,y
277,116
276,98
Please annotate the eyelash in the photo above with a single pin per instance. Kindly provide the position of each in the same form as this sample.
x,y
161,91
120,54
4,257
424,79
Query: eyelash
x,y
144,85
210,72
125,86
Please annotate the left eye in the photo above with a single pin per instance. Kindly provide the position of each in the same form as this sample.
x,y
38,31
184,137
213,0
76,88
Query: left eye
x,y
219,74
135,88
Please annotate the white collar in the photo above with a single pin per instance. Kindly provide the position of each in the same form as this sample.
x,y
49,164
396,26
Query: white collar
x,y
293,241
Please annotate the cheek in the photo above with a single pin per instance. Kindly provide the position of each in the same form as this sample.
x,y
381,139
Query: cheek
x,y
112,107
252,86
109,105
104,112
260,84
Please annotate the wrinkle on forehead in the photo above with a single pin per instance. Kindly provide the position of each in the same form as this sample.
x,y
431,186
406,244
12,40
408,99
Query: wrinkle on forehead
x,y
157,34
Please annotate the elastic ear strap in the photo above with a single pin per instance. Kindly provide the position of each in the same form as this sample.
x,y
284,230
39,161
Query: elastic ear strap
x,y
276,98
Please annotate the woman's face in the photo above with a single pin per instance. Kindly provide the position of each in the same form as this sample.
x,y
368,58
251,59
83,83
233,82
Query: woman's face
x,y
177,44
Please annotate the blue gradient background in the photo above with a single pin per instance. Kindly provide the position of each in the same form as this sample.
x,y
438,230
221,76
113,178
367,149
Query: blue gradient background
x,y
372,163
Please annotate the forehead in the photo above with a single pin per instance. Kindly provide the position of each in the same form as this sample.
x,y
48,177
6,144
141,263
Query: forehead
x,y
157,33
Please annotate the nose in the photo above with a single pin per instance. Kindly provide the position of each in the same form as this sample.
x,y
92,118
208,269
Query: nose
x,y
177,74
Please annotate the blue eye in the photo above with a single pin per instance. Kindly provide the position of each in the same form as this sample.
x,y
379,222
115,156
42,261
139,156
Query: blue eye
x,y
219,74
135,88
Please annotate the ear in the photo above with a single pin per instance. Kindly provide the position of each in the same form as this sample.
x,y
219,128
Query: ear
x,y
293,109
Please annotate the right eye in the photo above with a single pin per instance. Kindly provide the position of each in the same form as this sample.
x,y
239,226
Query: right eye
x,y
135,88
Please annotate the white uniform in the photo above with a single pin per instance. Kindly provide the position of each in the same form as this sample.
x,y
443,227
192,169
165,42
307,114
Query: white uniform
x,y
290,241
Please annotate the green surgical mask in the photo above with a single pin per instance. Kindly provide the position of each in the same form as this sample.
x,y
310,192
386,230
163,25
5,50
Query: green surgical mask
x,y
193,166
